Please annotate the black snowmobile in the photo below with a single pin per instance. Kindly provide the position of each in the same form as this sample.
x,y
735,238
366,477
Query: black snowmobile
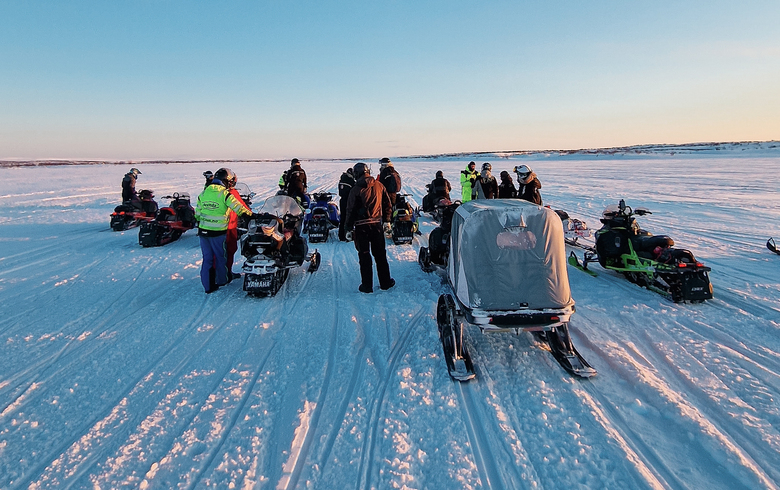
x,y
170,223
132,213
506,268
405,219
438,249
435,205
273,244
645,259
321,217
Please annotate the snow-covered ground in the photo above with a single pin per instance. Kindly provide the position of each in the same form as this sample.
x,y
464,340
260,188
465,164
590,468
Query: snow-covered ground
x,y
117,371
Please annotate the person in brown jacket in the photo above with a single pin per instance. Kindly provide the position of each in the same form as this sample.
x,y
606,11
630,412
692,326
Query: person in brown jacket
x,y
368,206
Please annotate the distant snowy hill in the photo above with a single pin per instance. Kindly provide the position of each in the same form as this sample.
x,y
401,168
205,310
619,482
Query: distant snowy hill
x,y
733,149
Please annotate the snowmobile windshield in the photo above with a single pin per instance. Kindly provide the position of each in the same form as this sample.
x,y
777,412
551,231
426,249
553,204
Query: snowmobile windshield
x,y
508,254
243,189
281,206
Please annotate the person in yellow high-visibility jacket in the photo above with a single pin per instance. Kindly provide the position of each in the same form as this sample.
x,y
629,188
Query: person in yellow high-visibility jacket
x,y
467,179
213,215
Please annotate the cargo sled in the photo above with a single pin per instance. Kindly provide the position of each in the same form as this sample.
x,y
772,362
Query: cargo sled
x,y
507,272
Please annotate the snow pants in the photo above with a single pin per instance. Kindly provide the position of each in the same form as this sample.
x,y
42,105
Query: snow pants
x,y
343,220
370,240
214,255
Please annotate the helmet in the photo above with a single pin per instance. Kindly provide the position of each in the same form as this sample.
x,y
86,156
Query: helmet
x,y
360,169
472,163
135,171
486,166
523,171
226,176
439,174
294,162
504,175
350,171
385,162
208,174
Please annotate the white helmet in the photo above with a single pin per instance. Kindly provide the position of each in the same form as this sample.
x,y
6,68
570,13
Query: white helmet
x,y
523,171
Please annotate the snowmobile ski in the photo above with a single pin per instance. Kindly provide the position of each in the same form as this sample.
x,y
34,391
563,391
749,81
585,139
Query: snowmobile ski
x,y
566,354
459,364
770,244
583,266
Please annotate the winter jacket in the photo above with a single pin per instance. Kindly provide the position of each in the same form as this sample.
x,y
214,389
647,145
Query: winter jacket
x,y
530,190
213,209
296,181
506,189
368,202
390,178
467,180
440,188
233,219
486,186
346,183
128,187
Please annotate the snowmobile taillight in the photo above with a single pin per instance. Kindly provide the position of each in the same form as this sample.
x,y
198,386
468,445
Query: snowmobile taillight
x,y
699,264
555,318
682,264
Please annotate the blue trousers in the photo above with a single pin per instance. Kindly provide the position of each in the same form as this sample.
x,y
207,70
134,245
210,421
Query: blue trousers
x,y
214,255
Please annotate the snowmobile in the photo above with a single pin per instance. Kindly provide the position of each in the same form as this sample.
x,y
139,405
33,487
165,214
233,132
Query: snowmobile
x,y
506,268
770,244
321,217
437,251
647,260
273,244
130,214
170,223
405,219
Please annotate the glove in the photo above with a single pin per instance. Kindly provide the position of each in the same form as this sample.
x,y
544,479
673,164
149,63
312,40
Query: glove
x,y
388,229
348,236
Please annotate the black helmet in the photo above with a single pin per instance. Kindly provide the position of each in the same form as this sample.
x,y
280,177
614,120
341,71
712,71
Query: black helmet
x,y
487,166
350,171
208,174
294,162
439,174
360,169
226,176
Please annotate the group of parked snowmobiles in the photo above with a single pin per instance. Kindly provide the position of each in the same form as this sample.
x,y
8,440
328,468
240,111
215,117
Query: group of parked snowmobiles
x,y
158,226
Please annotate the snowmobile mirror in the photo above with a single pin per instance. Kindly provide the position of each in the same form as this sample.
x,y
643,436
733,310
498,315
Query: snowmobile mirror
x,y
642,211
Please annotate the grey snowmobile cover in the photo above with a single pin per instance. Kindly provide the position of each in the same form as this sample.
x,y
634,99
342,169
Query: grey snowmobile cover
x,y
508,254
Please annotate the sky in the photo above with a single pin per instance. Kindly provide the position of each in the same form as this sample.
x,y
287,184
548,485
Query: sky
x,y
170,79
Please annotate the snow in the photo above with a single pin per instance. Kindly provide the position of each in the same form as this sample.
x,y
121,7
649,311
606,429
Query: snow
x,y
116,370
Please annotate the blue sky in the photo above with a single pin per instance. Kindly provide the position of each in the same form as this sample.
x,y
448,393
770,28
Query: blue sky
x,y
261,79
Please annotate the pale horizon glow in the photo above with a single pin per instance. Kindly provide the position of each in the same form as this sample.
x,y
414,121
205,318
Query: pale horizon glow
x,y
263,80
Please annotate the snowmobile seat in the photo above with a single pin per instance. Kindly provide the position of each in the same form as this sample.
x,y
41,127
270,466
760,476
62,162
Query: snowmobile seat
x,y
650,243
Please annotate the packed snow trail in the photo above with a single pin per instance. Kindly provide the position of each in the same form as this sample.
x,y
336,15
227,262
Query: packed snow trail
x,y
116,369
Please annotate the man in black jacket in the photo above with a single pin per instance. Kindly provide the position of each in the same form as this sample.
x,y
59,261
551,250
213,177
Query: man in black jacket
x,y
128,186
346,183
389,178
296,183
368,206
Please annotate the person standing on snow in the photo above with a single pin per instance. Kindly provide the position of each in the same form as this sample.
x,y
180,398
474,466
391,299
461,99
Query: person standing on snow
x,y
528,185
296,183
389,178
506,189
213,215
229,179
128,185
368,206
486,186
346,183
468,178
